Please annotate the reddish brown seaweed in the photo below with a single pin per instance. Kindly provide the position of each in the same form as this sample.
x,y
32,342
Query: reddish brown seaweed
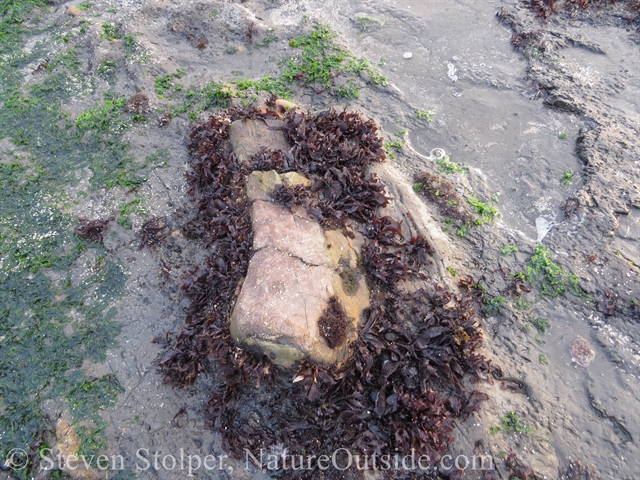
x,y
92,230
402,386
333,323
152,233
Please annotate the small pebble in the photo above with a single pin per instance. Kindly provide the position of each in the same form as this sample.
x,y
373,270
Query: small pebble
x,y
437,153
407,55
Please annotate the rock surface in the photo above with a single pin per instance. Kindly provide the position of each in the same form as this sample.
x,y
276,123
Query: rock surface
x,y
248,137
282,230
67,447
295,272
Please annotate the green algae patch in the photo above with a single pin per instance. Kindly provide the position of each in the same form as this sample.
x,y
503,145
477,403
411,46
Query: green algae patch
x,y
549,277
318,62
49,324
56,290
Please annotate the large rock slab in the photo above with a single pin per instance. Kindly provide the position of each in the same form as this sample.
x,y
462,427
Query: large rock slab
x,y
279,228
248,137
304,293
279,305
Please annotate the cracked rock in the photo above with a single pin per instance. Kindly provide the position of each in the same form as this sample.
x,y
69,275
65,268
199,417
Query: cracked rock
x,y
298,276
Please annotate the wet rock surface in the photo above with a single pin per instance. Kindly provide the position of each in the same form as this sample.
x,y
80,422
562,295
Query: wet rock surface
x,y
277,227
247,137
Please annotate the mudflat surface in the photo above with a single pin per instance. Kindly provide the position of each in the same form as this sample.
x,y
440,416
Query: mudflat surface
x,y
547,133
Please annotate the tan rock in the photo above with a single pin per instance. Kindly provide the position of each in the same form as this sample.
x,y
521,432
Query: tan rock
x,y
277,227
348,280
294,178
286,104
278,307
259,184
342,250
248,137
68,440
292,277
73,10
68,445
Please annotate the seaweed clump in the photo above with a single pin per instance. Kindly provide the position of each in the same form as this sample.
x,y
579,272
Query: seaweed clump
x,y
334,150
519,469
576,470
450,205
92,230
138,104
221,221
152,233
544,9
333,323
402,387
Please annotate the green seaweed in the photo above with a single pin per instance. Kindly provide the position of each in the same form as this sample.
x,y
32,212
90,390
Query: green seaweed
x,y
269,38
165,82
391,146
487,212
51,321
425,114
265,84
447,166
322,61
513,423
541,324
493,306
106,118
111,32
366,22
552,279
319,63
508,249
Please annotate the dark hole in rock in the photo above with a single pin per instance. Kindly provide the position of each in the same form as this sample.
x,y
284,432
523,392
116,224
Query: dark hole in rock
x,y
333,323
